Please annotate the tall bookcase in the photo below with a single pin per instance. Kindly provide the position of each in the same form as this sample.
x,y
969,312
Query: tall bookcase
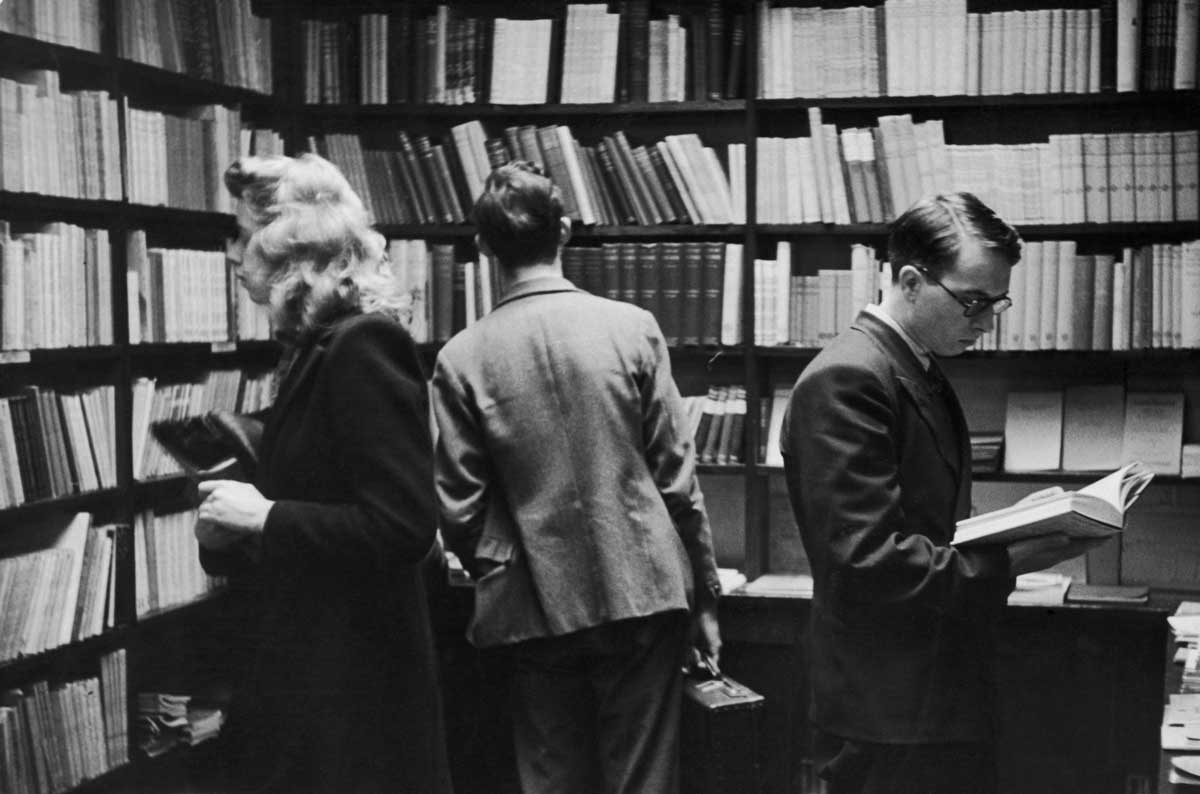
x,y
85,51
752,522
753,526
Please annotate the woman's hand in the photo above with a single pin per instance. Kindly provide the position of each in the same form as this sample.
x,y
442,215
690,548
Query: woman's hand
x,y
233,506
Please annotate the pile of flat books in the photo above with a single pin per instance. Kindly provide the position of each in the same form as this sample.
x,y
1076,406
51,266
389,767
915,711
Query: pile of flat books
x,y
985,452
168,720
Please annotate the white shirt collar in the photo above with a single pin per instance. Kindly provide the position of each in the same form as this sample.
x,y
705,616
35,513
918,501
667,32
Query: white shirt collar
x,y
919,350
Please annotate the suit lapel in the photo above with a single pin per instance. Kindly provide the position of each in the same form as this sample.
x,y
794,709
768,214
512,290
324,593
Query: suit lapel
x,y
303,369
935,412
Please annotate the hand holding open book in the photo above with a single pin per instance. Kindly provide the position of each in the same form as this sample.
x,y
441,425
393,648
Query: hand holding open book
x,y
1095,511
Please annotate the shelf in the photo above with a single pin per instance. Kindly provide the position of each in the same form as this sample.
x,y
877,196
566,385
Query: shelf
x,y
989,102
139,79
1031,231
25,665
240,348
1155,354
42,208
722,468
11,517
729,231
37,53
167,615
59,355
486,110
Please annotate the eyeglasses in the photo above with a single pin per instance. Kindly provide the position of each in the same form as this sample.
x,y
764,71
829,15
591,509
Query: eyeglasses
x,y
973,307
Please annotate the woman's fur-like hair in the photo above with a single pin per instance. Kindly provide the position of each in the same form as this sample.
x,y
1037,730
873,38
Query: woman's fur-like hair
x,y
323,259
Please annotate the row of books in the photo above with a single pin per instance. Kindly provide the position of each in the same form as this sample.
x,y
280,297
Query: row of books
x,y
222,389
55,287
717,420
867,175
53,737
810,310
62,143
938,48
693,288
219,40
167,563
179,295
55,444
181,158
1093,428
61,590
676,180
69,24
1148,297
584,54
166,720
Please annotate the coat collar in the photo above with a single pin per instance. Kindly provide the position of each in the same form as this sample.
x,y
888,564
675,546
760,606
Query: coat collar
x,y
950,435
537,286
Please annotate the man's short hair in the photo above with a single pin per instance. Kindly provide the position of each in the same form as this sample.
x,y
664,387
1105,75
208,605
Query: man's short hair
x,y
931,233
519,214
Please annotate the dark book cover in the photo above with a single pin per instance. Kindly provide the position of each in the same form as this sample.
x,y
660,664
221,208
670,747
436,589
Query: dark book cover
x,y
610,257
712,286
649,280
615,185
631,180
737,56
458,309
670,263
697,38
34,481
693,291
497,152
399,45
606,213
572,265
714,29
1108,45
442,284
629,273
636,54
464,201
655,188
415,181
593,270
663,173
440,191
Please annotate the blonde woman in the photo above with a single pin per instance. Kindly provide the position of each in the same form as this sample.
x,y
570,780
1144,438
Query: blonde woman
x,y
342,693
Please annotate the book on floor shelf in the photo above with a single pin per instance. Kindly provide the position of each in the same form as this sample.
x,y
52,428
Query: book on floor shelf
x,y
1096,511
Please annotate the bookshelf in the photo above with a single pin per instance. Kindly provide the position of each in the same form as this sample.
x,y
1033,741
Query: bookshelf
x,y
127,655
751,517
752,521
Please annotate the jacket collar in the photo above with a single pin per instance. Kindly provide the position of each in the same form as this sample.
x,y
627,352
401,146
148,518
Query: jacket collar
x,y
536,286
934,410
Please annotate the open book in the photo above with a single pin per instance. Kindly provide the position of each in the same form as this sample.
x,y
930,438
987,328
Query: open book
x,y
218,444
1095,511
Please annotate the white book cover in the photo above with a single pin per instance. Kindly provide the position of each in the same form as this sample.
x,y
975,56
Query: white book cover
x,y
1154,430
1065,304
1186,22
779,403
1049,295
1013,321
1129,35
781,291
1190,295
1121,177
731,296
1093,427
1032,263
1033,431
821,164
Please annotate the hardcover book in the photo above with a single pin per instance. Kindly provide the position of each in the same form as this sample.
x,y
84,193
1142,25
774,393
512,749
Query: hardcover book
x,y
1096,511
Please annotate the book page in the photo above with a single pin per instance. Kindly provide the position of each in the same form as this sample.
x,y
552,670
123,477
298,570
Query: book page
x,y
1121,488
1093,424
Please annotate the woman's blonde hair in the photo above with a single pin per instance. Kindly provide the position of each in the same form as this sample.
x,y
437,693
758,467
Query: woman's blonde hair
x,y
323,258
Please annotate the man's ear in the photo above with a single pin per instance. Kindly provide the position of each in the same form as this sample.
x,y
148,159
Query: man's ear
x,y
484,248
564,231
910,280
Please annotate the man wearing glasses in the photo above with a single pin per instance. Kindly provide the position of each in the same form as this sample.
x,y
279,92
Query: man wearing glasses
x,y
878,469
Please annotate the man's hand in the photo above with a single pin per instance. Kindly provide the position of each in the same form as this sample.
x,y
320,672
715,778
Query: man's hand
x,y
706,635
232,505
1036,554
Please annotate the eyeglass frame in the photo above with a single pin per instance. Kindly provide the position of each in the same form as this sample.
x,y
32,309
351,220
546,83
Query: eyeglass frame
x,y
972,307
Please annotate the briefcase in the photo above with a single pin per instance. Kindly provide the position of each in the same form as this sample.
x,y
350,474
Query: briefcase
x,y
721,736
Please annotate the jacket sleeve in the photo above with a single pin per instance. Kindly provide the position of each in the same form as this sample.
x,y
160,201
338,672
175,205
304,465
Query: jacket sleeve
x,y
841,454
461,468
671,457
378,419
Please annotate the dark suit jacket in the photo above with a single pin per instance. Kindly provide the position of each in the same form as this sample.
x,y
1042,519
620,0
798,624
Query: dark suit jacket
x,y
342,694
878,471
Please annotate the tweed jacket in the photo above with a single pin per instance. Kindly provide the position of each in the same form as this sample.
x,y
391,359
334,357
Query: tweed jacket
x,y
564,456
878,472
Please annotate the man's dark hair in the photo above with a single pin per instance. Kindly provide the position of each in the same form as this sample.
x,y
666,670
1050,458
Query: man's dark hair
x,y
931,233
519,214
